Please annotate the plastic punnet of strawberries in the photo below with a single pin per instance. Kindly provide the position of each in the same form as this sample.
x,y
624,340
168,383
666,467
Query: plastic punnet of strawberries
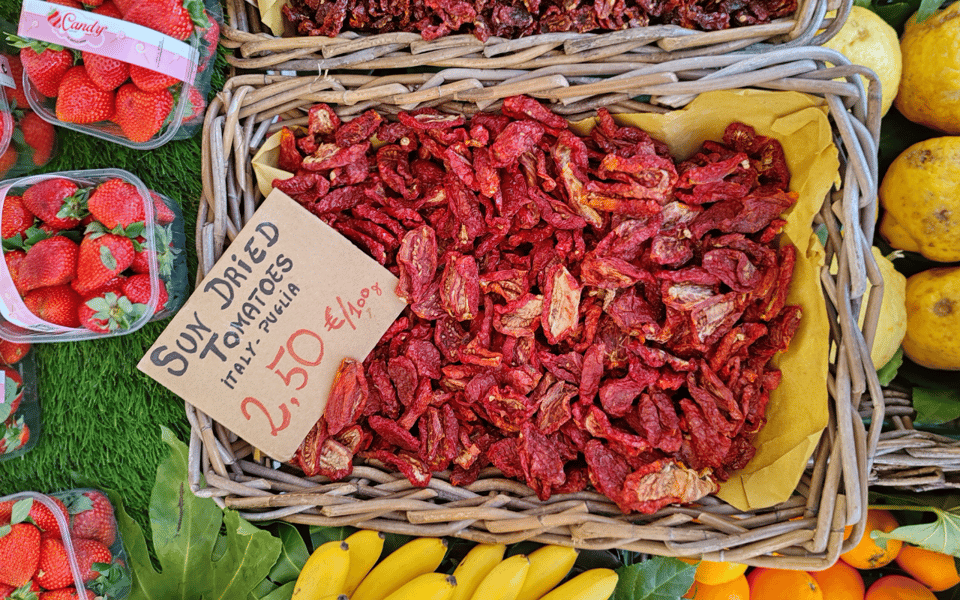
x,y
77,254
40,535
19,409
118,100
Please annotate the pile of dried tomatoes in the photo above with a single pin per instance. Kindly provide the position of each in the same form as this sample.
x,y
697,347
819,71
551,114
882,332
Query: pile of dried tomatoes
x,y
583,310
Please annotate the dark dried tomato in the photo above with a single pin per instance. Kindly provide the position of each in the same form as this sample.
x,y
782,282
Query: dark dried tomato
x,y
347,396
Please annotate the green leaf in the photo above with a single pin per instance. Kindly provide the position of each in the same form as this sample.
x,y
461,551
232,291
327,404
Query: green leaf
x,y
658,578
927,8
936,406
321,535
284,592
928,378
943,535
107,258
185,530
4,530
293,554
887,372
21,510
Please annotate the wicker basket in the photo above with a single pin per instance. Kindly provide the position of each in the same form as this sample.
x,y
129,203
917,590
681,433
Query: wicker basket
x,y
805,532
257,49
909,458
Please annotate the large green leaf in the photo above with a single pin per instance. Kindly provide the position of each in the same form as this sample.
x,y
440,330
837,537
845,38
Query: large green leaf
x,y
887,372
942,535
293,555
936,406
658,578
185,531
321,535
284,592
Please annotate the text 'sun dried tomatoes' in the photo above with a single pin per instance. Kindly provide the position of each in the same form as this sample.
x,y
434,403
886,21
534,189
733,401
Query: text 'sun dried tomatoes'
x,y
582,310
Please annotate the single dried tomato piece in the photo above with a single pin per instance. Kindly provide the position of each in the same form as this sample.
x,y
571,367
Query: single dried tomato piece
x,y
542,467
290,157
567,367
354,438
505,455
409,464
417,259
506,409
515,139
307,455
403,374
347,396
460,286
329,156
465,207
606,469
561,304
570,156
662,483
519,317
525,107
389,431
322,121
334,460
359,130
431,120
430,427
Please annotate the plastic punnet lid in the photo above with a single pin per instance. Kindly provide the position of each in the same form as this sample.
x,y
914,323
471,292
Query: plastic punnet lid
x,y
19,324
26,419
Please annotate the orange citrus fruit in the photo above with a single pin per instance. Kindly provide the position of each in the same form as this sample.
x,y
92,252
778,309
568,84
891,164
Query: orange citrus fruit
x,y
777,584
840,582
735,589
715,573
898,587
935,570
867,554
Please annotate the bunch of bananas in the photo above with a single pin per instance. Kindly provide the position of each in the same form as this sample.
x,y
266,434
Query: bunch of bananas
x,y
348,569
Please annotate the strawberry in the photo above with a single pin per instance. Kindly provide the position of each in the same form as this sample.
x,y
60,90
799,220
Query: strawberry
x,y
210,41
16,96
13,392
141,114
88,553
102,257
57,304
149,80
39,135
166,256
45,66
115,284
124,5
106,73
70,3
52,261
14,434
19,554
14,258
67,593
6,590
116,203
16,218
13,352
108,9
197,104
163,214
43,518
137,289
91,4
109,312
79,100
8,160
53,570
27,591
170,17
93,518
58,202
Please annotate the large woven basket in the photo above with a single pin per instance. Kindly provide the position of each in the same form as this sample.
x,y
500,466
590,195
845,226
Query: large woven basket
x,y
258,49
805,532
913,459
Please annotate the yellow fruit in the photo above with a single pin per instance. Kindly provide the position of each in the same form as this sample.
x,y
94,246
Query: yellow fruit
x,y
736,589
415,558
365,549
715,573
324,573
868,40
933,319
476,565
429,586
931,70
867,554
595,584
840,582
548,566
505,580
920,195
935,570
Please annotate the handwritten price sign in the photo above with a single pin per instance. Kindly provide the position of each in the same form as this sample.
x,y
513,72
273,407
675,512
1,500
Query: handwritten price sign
x,y
257,345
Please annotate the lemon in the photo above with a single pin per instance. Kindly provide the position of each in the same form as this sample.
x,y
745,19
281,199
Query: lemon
x,y
920,195
868,40
930,86
933,318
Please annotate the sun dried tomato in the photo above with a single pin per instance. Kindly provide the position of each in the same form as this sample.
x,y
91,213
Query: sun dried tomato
x,y
347,396
322,121
460,287
391,432
359,130
525,107
516,138
290,158
561,304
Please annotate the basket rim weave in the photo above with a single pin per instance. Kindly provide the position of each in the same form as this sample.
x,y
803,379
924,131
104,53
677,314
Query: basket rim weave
x,y
805,532
257,49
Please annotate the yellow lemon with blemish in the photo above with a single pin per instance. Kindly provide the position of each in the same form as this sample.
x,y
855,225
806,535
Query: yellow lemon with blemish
x,y
933,318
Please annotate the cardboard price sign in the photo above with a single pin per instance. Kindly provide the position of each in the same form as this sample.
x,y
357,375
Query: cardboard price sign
x,y
257,345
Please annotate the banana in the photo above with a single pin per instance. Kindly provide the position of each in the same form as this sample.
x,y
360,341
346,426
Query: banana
x,y
413,559
505,580
548,566
324,573
365,549
429,586
476,565
595,584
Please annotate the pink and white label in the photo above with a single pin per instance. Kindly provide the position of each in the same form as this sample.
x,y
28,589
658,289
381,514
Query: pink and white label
x,y
106,36
11,305
6,77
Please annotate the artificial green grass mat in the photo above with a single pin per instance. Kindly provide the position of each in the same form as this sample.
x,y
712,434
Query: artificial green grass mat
x,y
101,416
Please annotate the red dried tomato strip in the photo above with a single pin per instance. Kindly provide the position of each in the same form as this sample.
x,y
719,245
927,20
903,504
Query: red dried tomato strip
x,y
347,396
389,431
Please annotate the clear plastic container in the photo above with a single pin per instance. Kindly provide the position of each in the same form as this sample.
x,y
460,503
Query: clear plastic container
x,y
19,417
171,259
183,121
85,524
6,115
19,324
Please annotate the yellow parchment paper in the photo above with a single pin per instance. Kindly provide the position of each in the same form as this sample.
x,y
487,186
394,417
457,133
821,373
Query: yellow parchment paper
x,y
797,413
